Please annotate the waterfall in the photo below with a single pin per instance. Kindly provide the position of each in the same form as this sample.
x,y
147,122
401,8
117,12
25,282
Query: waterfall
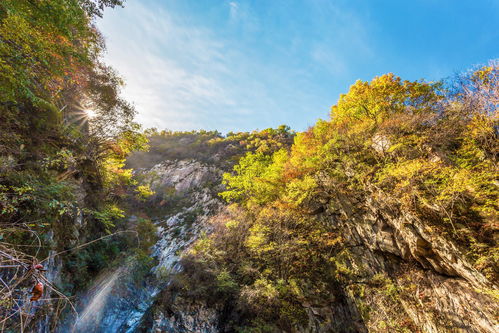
x,y
90,318
121,298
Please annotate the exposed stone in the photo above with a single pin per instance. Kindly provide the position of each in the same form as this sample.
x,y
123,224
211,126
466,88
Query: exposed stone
x,y
125,306
436,288
446,299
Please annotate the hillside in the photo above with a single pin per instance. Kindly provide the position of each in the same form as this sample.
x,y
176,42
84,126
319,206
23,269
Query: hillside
x,y
381,218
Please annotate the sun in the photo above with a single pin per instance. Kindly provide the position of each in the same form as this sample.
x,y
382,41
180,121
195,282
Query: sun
x,y
90,113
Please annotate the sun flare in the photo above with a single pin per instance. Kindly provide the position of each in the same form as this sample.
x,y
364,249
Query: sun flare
x,y
90,113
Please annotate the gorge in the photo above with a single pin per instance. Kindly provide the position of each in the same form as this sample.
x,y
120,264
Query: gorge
x,y
382,217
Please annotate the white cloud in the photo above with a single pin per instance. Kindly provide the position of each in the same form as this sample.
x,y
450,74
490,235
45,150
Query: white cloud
x,y
233,7
173,72
254,74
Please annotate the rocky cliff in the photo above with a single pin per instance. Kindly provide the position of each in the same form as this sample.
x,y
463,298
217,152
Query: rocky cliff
x,y
304,248
120,300
422,277
401,272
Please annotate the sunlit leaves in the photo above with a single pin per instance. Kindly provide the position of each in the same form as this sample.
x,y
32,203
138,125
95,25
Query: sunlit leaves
x,y
257,178
424,152
384,96
108,216
40,43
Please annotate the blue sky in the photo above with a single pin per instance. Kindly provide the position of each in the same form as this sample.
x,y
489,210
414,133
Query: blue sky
x,y
241,65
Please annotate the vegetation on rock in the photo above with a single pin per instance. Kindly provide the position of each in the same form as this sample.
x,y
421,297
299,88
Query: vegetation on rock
x,y
362,218
64,135
424,150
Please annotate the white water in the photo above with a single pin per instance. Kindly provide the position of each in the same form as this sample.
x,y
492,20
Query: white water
x,y
91,315
117,302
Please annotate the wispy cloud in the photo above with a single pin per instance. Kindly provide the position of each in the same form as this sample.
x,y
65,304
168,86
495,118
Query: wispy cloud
x,y
183,75
243,64
172,70
345,37
233,9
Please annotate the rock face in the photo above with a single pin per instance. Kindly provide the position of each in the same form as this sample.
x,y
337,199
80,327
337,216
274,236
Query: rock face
x,y
184,176
185,198
422,282
183,316
436,288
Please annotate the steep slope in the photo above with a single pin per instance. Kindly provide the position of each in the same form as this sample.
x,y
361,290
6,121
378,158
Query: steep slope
x,y
184,170
64,134
383,218
185,198
419,275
